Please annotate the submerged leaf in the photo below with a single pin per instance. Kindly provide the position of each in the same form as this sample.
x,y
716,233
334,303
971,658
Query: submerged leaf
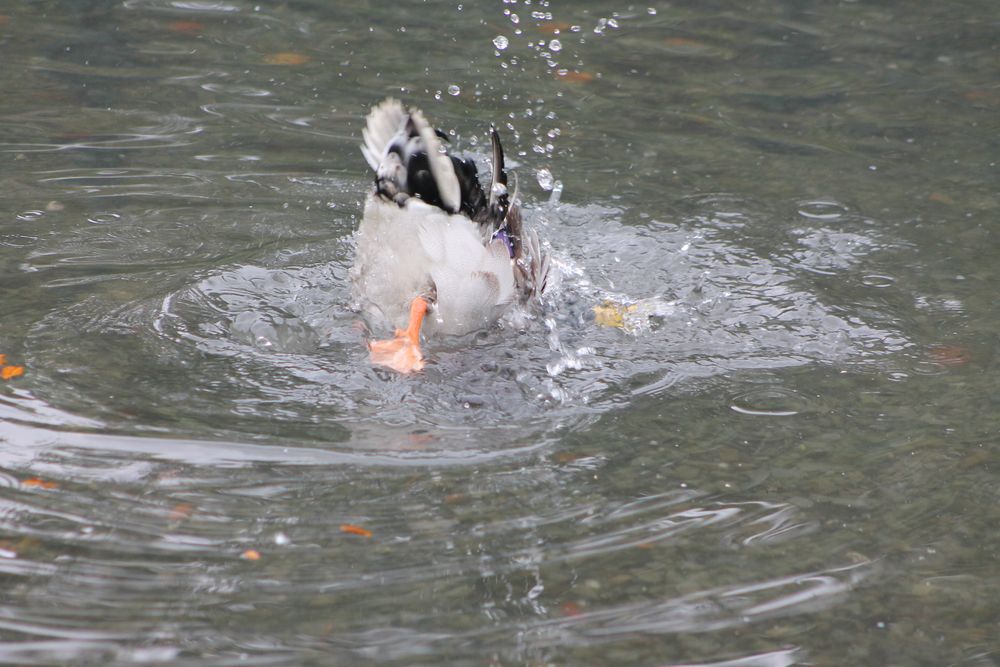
x,y
286,58
571,608
355,530
611,314
554,27
575,76
180,512
190,27
38,483
950,355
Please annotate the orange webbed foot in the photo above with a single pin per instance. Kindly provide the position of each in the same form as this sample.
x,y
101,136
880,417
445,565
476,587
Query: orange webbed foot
x,y
402,353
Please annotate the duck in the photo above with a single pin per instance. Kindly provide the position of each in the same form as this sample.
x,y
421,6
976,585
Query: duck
x,y
437,253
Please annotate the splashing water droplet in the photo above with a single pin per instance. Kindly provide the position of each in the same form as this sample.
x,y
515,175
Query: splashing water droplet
x,y
500,42
557,188
544,177
555,45
454,90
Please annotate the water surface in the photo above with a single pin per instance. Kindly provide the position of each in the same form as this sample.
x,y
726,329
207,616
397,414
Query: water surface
x,y
774,442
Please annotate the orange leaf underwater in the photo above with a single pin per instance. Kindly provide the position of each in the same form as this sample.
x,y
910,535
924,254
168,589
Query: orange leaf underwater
x,y
36,482
576,77
940,198
180,512
190,27
250,554
950,355
355,530
571,609
286,58
8,372
554,27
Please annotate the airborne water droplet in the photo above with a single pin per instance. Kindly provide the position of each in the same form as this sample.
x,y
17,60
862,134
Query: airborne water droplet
x,y
500,42
544,177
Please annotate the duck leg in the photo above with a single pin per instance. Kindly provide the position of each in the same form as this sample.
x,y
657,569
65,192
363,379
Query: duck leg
x,y
402,353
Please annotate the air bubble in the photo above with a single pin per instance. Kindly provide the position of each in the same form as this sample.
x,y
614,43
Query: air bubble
x,y
500,42
822,209
103,218
555,45
769,402
878,281
454,90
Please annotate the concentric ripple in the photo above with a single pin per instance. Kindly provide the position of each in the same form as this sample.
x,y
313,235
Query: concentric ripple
x,y
286,345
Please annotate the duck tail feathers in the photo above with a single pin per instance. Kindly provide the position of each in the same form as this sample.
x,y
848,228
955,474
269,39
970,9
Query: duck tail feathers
x,y
441,165
498,184
408,158
385,121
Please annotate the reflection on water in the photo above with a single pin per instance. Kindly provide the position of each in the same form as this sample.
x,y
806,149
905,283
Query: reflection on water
x,y
752,424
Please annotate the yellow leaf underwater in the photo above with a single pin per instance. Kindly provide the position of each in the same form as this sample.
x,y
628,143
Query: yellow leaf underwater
x,y
634,317
611,314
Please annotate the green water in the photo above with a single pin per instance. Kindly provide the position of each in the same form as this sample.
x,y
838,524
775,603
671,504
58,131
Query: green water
x,y
787,455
